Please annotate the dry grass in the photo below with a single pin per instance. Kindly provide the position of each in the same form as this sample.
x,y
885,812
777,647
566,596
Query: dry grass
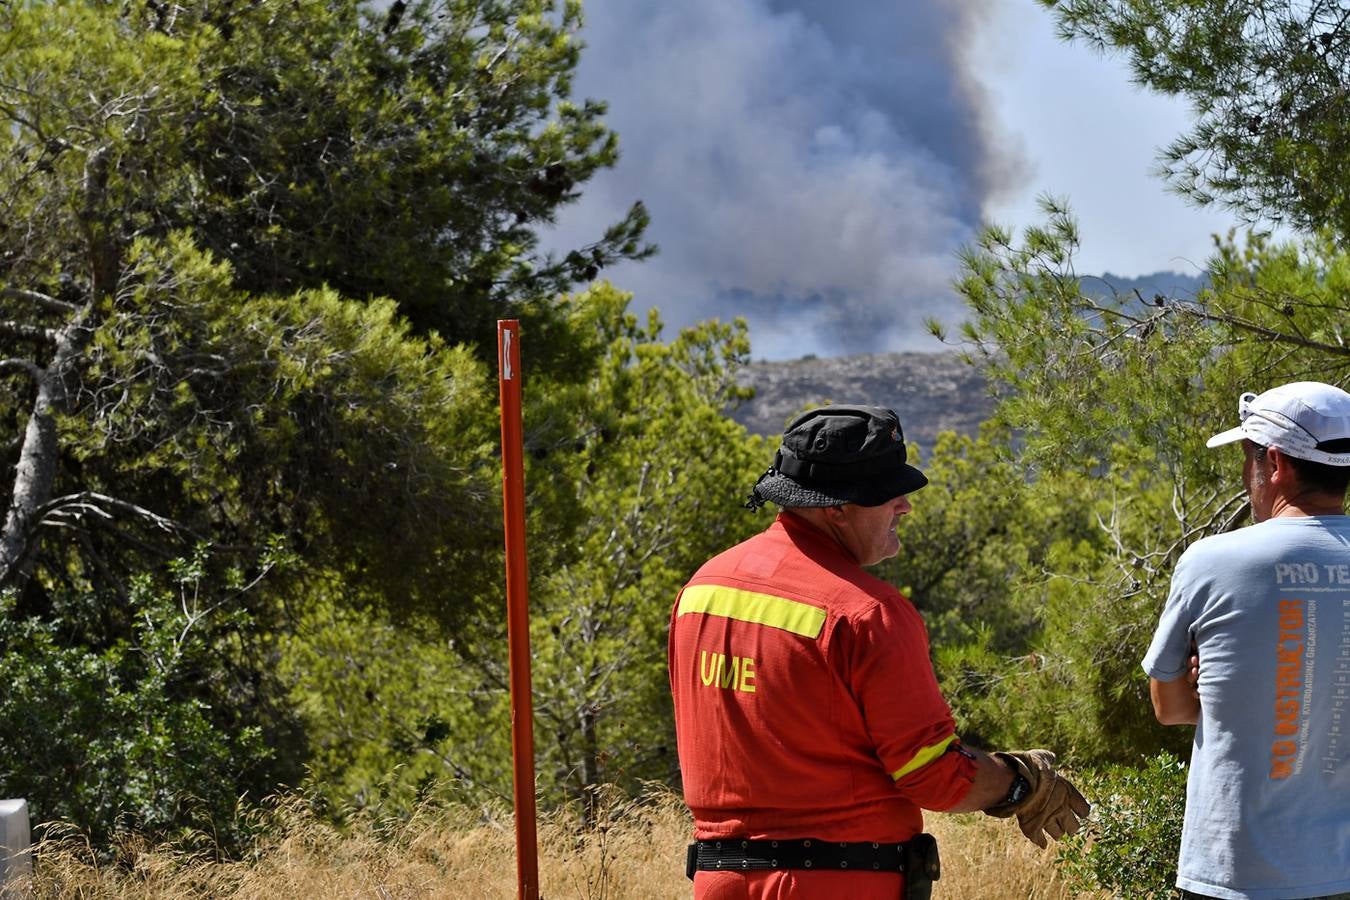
x,y
635,852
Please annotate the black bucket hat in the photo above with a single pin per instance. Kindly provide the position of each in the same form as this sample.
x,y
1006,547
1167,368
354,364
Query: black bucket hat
x,y
836,455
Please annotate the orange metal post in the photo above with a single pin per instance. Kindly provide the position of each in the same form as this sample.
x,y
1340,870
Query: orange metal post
x,y
517,610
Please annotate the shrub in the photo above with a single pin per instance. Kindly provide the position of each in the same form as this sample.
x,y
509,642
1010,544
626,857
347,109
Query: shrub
x,y
1130,845
151,713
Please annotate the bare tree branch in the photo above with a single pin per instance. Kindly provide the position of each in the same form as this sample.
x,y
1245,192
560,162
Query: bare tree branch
x,y
28,332
96,504
22,365
44,300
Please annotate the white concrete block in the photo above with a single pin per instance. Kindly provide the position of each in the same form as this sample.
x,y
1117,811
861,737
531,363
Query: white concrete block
x,y
16,856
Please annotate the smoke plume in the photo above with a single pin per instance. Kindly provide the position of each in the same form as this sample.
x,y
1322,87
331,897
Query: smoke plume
x,y
810,165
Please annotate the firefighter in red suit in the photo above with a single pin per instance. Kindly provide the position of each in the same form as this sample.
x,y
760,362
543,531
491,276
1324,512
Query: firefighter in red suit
x,y
810,726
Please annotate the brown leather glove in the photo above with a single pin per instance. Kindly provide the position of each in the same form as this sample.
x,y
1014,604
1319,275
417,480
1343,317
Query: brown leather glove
x,y
1053,806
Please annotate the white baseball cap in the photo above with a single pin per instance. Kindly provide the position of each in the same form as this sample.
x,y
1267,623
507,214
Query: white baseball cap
x,y
1296,418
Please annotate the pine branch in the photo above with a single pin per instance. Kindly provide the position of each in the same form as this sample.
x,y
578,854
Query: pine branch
x,y
1269,333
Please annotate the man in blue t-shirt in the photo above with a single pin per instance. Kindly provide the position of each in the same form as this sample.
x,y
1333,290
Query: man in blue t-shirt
x,y
1266,610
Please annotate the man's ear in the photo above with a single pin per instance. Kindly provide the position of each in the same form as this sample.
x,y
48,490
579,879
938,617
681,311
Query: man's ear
x,y
1279,468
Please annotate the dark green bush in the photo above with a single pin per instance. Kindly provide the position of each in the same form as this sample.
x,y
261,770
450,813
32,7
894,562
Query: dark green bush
x,y
151,712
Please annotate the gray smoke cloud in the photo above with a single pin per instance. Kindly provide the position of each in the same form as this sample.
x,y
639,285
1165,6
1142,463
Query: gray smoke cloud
x,y
812,166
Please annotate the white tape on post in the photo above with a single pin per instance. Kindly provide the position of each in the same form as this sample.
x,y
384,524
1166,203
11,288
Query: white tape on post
x,y
16,855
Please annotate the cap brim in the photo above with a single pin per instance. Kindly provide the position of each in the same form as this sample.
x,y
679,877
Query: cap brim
x,y
1226,437
783,491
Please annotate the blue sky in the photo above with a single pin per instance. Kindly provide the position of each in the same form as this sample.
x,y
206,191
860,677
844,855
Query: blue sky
x,y
1091,136
815,165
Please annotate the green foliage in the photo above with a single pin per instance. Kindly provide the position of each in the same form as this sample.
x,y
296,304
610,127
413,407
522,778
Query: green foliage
x,y
1018,583
659,473
1267,80
393,712
205,206
234,418
1134,382
232,235
977,529
309,144
1110,399
1130,844
409,154
1026,606
634,477
156,731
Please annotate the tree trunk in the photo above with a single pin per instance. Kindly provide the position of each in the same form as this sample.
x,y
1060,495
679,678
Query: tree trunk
x,y
36,471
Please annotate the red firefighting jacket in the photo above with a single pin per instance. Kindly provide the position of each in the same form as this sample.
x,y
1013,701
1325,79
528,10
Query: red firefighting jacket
x,y
805,701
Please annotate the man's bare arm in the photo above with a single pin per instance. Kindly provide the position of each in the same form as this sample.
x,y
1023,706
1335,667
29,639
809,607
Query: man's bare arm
x,y
1175,702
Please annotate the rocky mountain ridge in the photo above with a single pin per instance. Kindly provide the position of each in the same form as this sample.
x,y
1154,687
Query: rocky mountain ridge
x,y
931,392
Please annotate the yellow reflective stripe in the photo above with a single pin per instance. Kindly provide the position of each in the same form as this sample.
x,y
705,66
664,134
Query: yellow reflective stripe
x,y
748,606
923,758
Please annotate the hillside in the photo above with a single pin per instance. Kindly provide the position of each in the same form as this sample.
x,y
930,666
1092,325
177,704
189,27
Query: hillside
x,y
932,392
1170,284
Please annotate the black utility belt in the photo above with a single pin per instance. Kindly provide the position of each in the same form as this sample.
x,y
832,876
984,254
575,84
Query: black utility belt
x,y
917,857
